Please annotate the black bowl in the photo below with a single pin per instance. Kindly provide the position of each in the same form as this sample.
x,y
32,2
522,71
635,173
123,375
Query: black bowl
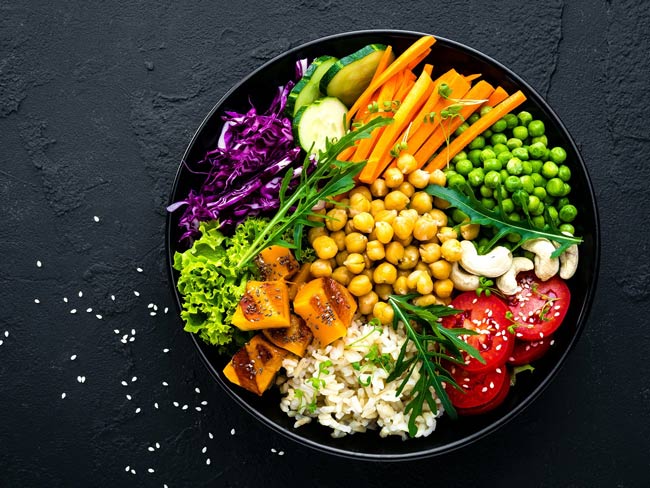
x,y
449,434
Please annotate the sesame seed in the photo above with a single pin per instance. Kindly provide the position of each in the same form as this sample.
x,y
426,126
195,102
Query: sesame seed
x,y
205,449
124,383
152,314
484,389
62,396
541,335
128,397
157,445
498,348
164,383
552,342
95,218
166,309
132,331
207,461
198,409
197,390
74,310
176,404
273,450
212,437
127,469
81,293
38,264
131,339
165,350
492,384
204,403
99,317
73,357
36,300
117,331
65,299
138,410
281,453
184,407
498,370
113,297
136,293
132,471
139,270
134,379
151,470
6,333
89,310
232,432
155,405
151,449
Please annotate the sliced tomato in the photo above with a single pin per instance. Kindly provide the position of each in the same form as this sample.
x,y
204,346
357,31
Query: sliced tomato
x,y
528,351
538,306
487,317
480,391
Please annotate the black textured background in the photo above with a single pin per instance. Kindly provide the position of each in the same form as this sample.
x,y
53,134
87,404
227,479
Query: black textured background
x,y
97,103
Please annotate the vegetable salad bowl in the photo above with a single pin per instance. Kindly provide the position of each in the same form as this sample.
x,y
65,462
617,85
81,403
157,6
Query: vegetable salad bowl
x,y
258,88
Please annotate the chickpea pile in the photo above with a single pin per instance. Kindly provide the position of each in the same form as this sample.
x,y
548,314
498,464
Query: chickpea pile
x,y
390,238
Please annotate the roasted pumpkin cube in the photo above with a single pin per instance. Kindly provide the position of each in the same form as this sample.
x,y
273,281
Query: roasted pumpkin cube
x,y
276,263
294,338
265,304
255,365
327,307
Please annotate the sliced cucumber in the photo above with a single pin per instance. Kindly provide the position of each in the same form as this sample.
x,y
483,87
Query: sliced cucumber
x,y
306,90
350,76
320,120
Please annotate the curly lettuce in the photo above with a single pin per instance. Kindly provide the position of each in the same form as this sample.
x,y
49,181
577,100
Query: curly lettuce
x,y
210,281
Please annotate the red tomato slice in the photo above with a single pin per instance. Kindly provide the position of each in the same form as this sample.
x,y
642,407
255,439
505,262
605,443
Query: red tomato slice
x,y
487,316
540,306
491,405
528,351
478,389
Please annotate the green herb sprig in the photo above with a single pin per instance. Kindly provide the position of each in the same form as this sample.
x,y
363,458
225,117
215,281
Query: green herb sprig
x,y
433,344
330,178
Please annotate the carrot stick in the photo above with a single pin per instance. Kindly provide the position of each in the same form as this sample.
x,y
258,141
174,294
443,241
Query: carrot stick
x,y
498,96
473,77
418,60
384,61
406,85
401,63
477,128
380,156
428,68
444,129
346,153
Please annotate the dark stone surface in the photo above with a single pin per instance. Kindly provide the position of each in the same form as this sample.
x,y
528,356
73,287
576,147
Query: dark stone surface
x,y
97,103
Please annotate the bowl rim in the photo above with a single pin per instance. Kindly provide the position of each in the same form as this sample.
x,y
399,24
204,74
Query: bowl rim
x,y
501,421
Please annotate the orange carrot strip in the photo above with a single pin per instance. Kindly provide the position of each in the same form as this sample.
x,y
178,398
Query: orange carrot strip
x,y
498,96
406,85
384,61
444,129
476,129
473,77
428,68
380,156
401,63
418,60
346,153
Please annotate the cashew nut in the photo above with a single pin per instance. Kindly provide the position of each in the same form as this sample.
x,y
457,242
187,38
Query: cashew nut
x,y
568,259
545,266
462,280
507,282
490,265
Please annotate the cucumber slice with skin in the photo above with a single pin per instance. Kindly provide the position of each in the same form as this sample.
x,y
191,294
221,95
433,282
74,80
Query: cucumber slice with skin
x,y
350,76
320,120
306,90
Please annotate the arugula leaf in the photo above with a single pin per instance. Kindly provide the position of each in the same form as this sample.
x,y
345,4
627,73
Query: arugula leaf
x,y
463,199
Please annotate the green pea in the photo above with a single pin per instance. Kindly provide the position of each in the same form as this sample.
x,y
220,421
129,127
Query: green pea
x,y
539,192
558,155
537,150
477,143
548,199
487,153
539,210
485,190
513,237
492,179
498,138
508,205
528,168
500,191
543,139
455,180
567,228
520,132
533,204
564,173
520,197
536,128
527,183
566,190
537,165
513,142
512,183
538,180
555,187
521,153
562,202
473,118
504,157
511,120
499,147
487,134
461,128
489,203
549,169
464,166
474,156
538,221
524,117
458,216
514,166
552,214
492,165
503,174
458,157
476,176
515,217
499,126
484,110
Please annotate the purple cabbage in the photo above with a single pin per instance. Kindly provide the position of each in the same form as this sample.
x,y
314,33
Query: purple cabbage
x,y
244,172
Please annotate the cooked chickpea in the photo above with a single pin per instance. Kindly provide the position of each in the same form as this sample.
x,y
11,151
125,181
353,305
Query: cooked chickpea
x,y
314,233
425,229
383,312
325,247
446,233
384,232
378,188
410,259
342,275
400,286
337,218
361,190
341,257
320,268
386,216
402,227
419,178
438,177
385,273
422,266
383,290
355,242
367,302
396,200
420,281
440,270
440,203
430,252
425,300
339,238
349,227
358,203
406,163
394,252
439,217
367,272
404,242
393,177
368,261
360,285
451,250
363,222
410,214
407,189
443,288
377,206
375,250
355,263
421,202
470,231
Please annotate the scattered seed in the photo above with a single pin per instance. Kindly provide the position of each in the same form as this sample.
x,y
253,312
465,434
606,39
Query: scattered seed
x,y
124,383
176,404
113,297
273,450
134,379
133,471
36,300
164,383
74,310
204,403
198,409
207,461
281,453
205,449
127,469
38,264
132,331
151,449
165,350
232,431
138,410
151,470
65,299
136,293
62,396
98,316
117,331
157,445
95,218
89,310
128,397
73,357
81,293
155,405
139,270
197,390
152,314
210,435
131,339
184,407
